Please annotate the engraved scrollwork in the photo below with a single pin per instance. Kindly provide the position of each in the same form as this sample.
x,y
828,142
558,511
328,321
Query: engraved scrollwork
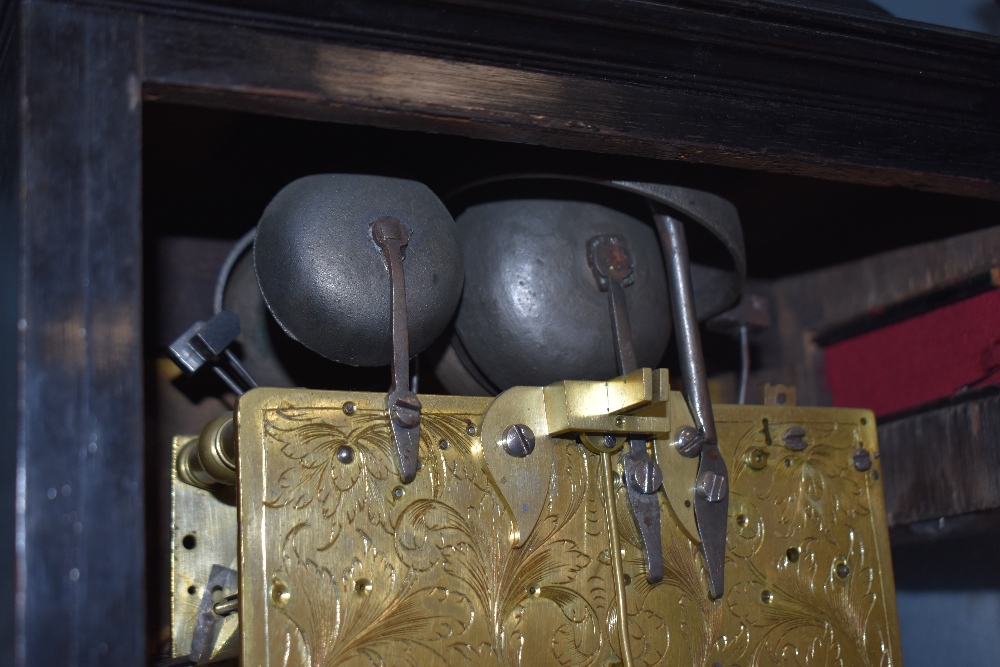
x,y
815,488
316,475
474,546
698,619
347,488
813,601
370,614
746,533
359,575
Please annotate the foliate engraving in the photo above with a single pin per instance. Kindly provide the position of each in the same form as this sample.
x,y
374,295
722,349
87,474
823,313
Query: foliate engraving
x,y
368,613
357,568
802,589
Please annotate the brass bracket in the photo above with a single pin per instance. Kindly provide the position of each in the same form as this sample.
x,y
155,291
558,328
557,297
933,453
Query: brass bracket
x,y
637,403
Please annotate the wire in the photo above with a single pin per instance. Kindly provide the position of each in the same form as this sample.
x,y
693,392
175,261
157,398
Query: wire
x,y
744,363
235,253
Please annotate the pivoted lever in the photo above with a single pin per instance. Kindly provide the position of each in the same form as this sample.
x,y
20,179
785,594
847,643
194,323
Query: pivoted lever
x,y
711,502
612,266
403,405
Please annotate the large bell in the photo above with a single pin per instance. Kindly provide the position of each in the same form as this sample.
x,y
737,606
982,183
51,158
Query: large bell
x,y
531,312
325,279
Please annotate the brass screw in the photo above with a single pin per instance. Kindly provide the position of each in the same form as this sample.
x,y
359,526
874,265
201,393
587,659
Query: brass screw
x,y
280,595
756,458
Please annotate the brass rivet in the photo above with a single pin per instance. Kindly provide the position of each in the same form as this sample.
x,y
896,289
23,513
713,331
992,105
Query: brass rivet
x,y
626,579
398,492
792,554
534,590
444,444
742,519
788,463
363,586
843,570
345,454
766,597
349,408
471,430
620,421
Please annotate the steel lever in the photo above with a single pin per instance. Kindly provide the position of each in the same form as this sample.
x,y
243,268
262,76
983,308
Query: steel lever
x,y
711,503
612,266
403,405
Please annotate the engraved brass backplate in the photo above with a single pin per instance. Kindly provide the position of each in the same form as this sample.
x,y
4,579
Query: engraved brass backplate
x,y
342,564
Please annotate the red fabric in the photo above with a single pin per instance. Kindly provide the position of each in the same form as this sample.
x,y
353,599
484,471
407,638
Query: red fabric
x,y
920,359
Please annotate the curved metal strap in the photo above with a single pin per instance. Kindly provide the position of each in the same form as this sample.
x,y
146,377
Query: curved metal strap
x,y
716,289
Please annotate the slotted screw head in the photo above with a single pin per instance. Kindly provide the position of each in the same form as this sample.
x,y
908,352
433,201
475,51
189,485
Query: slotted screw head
x,y
405,411
689,441
518,440
794,438
645,477
712,487
862,460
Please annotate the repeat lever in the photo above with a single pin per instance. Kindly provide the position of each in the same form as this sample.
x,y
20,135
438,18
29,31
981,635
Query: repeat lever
x,y
612,266
403,405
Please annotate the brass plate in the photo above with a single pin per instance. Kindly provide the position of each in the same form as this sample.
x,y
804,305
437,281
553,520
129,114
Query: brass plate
x,y
340,564
204,532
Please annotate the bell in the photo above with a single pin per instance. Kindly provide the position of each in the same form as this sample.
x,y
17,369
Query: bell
x,y
324,277
531,312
